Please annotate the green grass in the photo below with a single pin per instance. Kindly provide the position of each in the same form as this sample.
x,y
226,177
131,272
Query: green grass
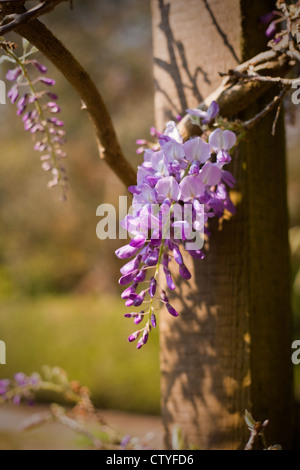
x,y
86,336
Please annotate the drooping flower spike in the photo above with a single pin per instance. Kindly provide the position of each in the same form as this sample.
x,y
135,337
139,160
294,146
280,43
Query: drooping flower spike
x,y
38,107
180,185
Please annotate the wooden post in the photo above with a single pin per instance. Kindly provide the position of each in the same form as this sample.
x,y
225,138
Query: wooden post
x,y
230,349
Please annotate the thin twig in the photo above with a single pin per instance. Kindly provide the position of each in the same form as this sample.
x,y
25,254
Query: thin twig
x,y
251,122
251,441
287,82
276,118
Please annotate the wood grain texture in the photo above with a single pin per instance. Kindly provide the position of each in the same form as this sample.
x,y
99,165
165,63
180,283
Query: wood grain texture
x,y
230,348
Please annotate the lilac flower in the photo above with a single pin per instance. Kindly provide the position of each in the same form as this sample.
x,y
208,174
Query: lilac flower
x,y
184,272
12,75
172,310
47,81
41,68
125,441
271,30
168,188
222,141
153,320
191,187
4,385
265,19
196,150
13,94
206,116
178,184
270,18
21,379
210,174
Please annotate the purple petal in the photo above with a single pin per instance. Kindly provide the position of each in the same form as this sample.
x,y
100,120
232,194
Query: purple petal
x,y
163,296
228,178
130,290
152,288
140,277
13,94
153,320
177,255
172,310
195,168
229,139
145,336
265,19
169,280
53,96
168,188
222,140
210,174
197,254
47,81
184,272
12,75
138,319
134,336
139,299
138,241
128,278
173,151
172,131
212,111
126,251
197,113
152,258
41,68
21,379
197,149
223,157
131,265
271,30
191,187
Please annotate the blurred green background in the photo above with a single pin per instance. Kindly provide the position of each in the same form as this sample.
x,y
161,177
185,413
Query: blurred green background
x,y
59,298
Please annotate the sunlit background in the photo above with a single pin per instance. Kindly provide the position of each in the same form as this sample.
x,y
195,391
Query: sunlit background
x,y
59,297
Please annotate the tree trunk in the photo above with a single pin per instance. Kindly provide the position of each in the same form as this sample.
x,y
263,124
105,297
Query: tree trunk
x,y
230,349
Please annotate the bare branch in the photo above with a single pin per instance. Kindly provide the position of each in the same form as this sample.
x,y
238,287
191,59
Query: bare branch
x,y
276,101
287,82
109,148
233,96
12,20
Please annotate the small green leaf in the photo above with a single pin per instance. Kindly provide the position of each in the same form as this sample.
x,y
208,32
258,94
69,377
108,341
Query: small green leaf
x,y
249,420
177,438
25,44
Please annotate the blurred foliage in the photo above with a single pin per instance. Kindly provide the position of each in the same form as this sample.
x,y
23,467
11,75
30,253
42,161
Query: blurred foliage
x,y
86,336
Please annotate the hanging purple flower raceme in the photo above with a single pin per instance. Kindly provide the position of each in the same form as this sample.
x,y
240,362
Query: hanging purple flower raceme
x,y
20,388
31,92
180,185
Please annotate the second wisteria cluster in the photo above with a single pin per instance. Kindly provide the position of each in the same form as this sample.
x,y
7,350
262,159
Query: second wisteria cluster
x,y
180,185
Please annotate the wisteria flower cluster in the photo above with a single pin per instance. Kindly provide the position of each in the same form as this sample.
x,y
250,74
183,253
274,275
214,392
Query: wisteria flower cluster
x,y
38,107
20,388
186,176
